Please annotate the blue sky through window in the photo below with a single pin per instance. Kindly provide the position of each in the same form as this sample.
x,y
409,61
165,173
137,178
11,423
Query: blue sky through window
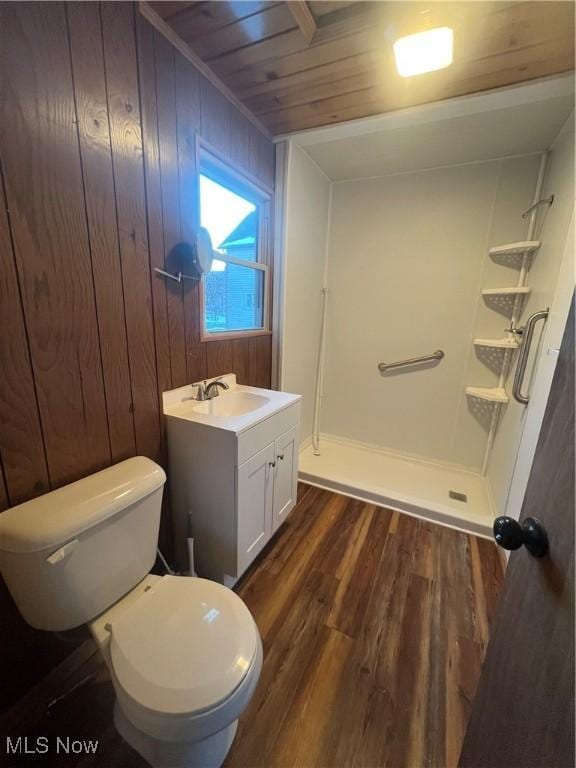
x,y
220,212
233,294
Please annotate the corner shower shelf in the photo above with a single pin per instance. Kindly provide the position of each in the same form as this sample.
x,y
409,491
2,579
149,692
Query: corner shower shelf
x,y
493,394
497,343
509,249
515,290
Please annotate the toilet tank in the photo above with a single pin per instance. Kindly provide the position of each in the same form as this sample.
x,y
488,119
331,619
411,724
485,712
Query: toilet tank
x,y
69,555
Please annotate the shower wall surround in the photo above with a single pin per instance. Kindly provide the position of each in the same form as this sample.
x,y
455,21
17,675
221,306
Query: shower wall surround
x,y
552,230
407,258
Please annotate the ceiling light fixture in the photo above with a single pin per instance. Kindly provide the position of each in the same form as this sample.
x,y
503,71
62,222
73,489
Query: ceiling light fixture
x,y
424,52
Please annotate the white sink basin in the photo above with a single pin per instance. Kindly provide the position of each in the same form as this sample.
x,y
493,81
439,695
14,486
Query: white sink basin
x,y
234,410
234,403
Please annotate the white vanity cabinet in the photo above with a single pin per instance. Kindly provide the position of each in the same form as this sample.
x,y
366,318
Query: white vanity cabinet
x,y
255,490
266,494
233,480
285,476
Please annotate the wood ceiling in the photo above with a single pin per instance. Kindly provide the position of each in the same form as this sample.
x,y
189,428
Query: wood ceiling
x,y
298,65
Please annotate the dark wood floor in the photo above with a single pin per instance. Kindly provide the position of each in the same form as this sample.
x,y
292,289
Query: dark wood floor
x,y
374,627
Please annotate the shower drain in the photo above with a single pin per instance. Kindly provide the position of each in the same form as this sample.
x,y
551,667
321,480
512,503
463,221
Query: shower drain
x,y
457,496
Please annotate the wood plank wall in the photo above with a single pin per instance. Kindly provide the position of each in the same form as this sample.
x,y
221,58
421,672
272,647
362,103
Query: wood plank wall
x,y
97,150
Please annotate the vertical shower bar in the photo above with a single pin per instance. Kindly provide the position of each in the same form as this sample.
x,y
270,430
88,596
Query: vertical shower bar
x,y
515,311
489,442
531,230
322,341
319,378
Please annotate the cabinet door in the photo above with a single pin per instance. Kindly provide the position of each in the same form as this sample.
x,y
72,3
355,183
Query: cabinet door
x,y
254,504
285,476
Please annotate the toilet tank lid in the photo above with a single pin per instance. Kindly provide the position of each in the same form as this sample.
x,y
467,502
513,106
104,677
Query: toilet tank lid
x,y
57,517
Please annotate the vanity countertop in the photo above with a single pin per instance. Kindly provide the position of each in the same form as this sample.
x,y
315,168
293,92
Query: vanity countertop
x,y
235,410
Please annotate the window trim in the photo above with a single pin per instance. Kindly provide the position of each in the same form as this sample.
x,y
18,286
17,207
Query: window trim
x,y
228,174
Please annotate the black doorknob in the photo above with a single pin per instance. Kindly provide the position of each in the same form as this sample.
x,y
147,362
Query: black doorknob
x,y
510,534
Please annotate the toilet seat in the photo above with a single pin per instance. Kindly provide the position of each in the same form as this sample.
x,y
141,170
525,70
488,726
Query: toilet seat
x,y
181,650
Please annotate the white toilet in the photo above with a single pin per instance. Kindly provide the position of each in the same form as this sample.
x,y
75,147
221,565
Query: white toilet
x,y
184,653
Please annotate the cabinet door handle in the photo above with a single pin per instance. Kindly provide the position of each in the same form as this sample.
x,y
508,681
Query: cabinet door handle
x,y
272,463
280,456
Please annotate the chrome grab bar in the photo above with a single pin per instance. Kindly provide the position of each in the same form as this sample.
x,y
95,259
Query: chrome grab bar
x,y
528,333
438,355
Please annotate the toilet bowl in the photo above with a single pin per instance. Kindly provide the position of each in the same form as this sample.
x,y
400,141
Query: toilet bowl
x,y
184,656
184,653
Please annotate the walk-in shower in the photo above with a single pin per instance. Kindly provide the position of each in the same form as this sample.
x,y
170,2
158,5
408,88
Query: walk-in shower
x,y
406,301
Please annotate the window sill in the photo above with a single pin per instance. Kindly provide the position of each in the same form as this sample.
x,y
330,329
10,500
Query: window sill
x,y
224,336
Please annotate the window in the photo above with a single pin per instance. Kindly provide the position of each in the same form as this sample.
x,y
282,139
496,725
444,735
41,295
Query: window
x,y
236,213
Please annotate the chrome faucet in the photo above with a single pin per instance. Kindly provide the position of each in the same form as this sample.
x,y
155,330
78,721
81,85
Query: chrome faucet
x,y
200,390
206,391
212,389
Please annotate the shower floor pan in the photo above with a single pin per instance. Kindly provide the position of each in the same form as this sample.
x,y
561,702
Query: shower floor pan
x,y
452,497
